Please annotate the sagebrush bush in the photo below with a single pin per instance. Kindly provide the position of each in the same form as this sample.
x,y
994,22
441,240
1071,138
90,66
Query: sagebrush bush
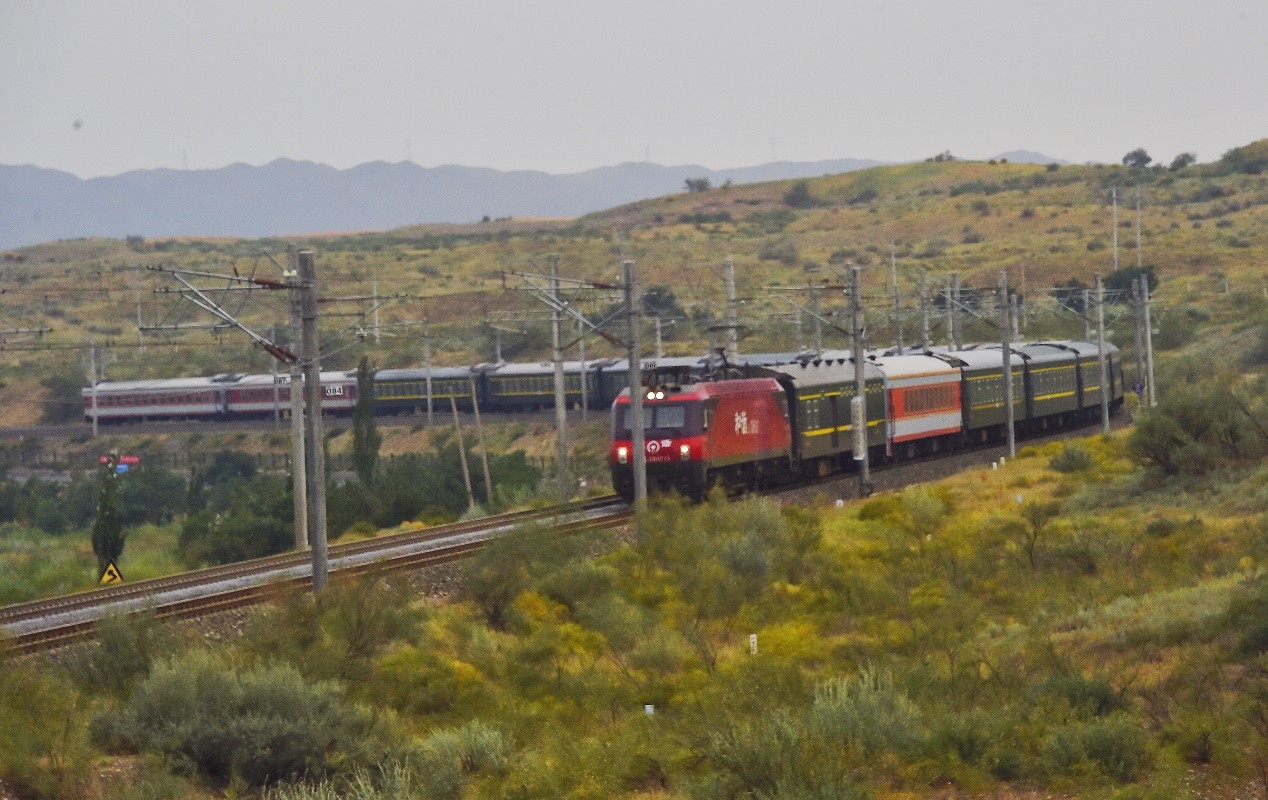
x,y
1115,746
1071,458
43,752
259,725
122,654
868,713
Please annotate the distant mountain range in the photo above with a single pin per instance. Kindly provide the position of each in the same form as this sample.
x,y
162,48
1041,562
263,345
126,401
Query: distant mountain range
x,y
295,197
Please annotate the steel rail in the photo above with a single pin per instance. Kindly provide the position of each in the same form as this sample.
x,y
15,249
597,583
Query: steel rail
x,y
356,557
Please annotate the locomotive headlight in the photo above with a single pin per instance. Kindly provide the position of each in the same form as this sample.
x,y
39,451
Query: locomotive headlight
x,y
622,455
685,451
660,395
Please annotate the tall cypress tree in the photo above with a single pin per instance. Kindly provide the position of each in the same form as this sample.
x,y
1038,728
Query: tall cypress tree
x,y
365,436
107,531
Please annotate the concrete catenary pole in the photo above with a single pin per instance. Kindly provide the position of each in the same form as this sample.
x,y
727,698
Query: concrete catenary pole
x,y
636,389
898,305
299,468
1150,388
585,373
561,395
732,316
924,308
1114,223
92,381
314,452
1138,314
462,453
484,451
1100,355
427,369
861,455
1006,350
955,311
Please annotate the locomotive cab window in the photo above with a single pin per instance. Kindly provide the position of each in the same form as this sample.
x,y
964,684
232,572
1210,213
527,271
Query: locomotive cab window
x,y
676,419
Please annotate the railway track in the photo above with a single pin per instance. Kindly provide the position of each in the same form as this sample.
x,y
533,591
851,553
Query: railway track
x,y
53,622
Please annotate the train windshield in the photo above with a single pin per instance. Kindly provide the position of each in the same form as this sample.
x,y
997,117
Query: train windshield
x,y
669,418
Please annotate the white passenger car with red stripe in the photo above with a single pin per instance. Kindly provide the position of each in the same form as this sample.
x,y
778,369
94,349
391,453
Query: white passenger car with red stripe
x,y
922,398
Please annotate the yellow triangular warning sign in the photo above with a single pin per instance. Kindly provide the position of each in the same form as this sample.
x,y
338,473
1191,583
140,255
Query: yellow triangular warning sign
x,y
111,575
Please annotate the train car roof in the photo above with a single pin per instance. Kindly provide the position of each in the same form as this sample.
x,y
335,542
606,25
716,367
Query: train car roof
x,y
1086,349
821,372
157,385
538,368
983,357
908,366
420,374
762,359
1044,353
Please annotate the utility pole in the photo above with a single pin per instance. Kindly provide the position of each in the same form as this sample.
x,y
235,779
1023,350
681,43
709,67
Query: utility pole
x,y
462,454
585,373
950,305
1087,315
314,453
924,308
1100,355
427,368
636,391
92,381
1006,349
797,328
299,471
1139,256
484,452
561,401
660,348
898,307
1012,316
1114,200
1138,313
140,335
375,286
859,415
814,298
955,311
1149,344
732,321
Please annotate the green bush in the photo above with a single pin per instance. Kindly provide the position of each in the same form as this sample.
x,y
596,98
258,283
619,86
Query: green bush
x,y
868,713
122,654
1072,458
259,725
43,751
1115,746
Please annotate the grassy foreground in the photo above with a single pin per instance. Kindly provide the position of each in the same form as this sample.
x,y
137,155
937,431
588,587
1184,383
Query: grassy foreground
x,y
1074,622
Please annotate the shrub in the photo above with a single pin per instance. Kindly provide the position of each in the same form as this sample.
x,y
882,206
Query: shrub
x,y
1115,746
259,725
43,752
798,196
782,250
868,713
1072,458
122,654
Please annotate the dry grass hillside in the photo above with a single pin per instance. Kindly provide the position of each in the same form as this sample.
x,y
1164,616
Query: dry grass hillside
x,y
1201,232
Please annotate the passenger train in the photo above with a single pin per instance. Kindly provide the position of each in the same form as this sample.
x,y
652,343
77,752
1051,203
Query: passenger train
x,y
771,423
501,387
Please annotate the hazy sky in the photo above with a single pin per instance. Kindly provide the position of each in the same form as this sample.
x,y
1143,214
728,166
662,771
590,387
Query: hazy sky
x,y
100,87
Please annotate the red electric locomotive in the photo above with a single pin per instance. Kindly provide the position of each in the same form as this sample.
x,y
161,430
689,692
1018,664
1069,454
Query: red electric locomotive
x,y
734,432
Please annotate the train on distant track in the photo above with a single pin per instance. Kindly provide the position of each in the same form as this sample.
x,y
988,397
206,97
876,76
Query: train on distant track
x,y
773,423
499,387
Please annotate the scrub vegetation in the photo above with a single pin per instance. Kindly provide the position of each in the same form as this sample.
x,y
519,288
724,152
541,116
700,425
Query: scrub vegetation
x,y
1088,621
